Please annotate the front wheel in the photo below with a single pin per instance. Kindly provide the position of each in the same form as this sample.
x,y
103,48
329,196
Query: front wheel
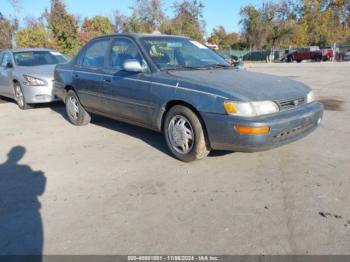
x,y
19,97
184,134
76,113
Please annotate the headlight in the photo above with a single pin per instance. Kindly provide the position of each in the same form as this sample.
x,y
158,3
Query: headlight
x,y
33,81
251,109
310,97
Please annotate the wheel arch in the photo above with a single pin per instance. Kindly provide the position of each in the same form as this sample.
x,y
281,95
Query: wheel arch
x,y
166,107
66,89
15,82
69,87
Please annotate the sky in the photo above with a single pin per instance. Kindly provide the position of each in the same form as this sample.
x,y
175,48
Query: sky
x,y
216,12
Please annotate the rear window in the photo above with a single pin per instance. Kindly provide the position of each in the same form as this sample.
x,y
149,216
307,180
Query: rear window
x,y
38,58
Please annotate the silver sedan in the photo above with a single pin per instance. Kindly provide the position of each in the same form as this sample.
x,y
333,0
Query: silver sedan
x,y
26,75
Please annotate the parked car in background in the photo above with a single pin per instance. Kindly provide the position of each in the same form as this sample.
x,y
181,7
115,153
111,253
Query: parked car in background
x,y
235,61
280,55
312,53
26,75
346,56
183,89
285,55
212,46
327,54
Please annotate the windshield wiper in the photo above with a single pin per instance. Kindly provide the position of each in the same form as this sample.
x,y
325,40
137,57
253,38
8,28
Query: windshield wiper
x,y
216,66
180,68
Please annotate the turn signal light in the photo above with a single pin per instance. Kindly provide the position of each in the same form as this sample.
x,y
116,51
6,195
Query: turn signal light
x,y
230,108
248,130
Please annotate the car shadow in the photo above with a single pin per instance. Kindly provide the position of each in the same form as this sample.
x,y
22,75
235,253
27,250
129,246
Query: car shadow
x,y
21,227
150,137
220,153
4,100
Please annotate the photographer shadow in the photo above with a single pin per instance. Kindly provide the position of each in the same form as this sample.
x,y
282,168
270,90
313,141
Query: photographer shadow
x,y
21,227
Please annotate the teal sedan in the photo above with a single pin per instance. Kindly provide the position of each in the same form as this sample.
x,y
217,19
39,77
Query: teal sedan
x,y
181,88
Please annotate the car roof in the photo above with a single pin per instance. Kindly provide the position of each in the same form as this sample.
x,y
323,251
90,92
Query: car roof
x,y
27,50
141,35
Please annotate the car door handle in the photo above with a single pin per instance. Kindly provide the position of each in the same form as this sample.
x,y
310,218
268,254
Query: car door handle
x,y
76,76
107,80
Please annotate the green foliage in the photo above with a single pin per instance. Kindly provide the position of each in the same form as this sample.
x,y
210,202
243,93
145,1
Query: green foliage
x,y
187,20
35,35
136,25
222,39
148,15
296,23
6,31
94,27
251,21
64,27
274,24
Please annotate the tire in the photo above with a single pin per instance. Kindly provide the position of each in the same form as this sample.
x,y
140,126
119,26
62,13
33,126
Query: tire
x,y
184,134
19,97
77,115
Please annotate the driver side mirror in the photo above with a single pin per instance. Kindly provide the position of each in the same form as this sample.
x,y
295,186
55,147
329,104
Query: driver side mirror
x,y
9,65
133,65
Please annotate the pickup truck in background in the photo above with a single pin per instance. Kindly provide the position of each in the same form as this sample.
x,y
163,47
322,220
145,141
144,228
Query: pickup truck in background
x,y
312,53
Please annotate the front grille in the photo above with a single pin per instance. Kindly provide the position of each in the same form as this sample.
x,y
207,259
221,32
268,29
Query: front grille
x,y
291,103
293,132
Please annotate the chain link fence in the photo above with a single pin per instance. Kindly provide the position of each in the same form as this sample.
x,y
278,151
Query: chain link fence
x,y
264,55
246,55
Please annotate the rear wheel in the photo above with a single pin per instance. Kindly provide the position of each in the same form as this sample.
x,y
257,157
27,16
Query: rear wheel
x,y
184,134
76,113
19,97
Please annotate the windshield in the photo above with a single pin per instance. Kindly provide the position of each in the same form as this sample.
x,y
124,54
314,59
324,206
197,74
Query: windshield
x,y
181,53
38,58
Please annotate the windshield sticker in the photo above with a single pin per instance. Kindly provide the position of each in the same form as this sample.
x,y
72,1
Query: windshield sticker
x,y
55,53
199,45
174,45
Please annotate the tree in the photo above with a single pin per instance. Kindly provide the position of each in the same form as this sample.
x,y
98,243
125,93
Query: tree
x,y
35,34
91,28
187,21
224,40
325,21
120,21
6,30
253,28
278,21
148,13
136,25
64,27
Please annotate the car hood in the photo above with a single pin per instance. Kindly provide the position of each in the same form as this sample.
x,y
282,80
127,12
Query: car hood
x,y
45,71
244,85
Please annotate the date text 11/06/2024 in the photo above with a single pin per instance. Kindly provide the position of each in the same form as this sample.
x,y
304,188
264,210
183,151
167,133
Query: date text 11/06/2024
x,y
173,258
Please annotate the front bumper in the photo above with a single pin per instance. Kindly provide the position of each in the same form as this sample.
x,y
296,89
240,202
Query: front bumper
x,y
285,127
38,94
59,91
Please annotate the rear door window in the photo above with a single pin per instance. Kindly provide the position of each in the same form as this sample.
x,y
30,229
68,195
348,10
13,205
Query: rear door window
x,y
94,54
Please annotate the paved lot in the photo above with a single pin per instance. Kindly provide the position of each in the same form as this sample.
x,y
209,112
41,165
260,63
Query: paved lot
x,y
111,188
